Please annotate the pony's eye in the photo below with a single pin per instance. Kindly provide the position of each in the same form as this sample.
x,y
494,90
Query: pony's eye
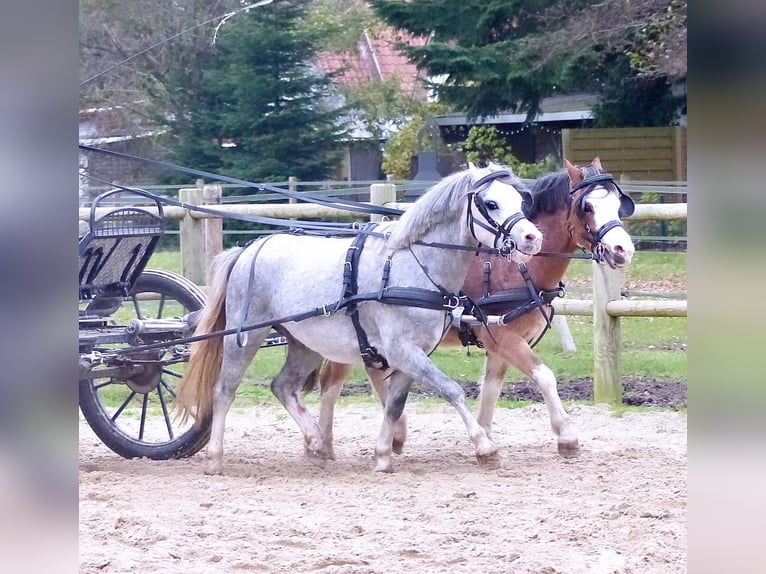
x,y
587,207
490,205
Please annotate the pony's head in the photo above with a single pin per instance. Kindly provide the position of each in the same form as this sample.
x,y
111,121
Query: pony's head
x,y
489,202
496,207
598,204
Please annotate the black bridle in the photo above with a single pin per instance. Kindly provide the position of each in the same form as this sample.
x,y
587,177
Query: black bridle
x,y
627,207
501,231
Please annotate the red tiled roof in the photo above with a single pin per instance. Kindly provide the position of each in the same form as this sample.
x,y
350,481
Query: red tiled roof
x,y
377,60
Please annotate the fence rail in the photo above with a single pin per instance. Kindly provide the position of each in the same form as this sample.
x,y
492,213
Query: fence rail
x,y
202,239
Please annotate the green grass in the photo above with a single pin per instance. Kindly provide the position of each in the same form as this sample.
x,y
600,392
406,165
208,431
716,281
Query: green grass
x,y
646,266
169,260
652,347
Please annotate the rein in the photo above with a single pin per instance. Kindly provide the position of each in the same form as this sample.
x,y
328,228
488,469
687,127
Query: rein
x,y
344,204
404,296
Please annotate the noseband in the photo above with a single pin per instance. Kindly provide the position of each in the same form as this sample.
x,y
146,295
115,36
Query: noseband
x,y
501,231
627,207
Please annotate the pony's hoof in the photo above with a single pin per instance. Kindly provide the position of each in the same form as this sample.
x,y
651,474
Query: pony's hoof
x,y
325,454
317,458
570,448
397,446
489,461
213,469
384,464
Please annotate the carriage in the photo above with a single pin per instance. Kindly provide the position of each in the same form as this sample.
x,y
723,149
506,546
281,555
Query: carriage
x,y
126,397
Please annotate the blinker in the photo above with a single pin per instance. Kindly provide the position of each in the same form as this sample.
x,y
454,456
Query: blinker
x,y
627,206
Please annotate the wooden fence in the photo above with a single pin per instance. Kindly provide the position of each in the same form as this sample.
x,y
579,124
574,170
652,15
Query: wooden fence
x,y
202,239
657,153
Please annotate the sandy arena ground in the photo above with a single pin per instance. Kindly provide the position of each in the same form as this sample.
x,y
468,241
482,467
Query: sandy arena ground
x,y
619,508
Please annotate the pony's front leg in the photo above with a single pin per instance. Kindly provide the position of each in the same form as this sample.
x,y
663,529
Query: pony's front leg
x,y
380,383
394,397
568,443
516,351
417,365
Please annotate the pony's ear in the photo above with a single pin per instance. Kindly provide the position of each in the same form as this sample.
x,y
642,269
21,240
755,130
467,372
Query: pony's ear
x,y
496,166
575,173
476,173
597,163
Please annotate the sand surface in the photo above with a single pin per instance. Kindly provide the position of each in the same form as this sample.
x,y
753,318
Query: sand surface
x,y
620,507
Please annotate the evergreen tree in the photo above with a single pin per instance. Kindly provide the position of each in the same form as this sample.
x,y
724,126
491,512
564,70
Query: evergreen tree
x,y
252,106
492,56
476,49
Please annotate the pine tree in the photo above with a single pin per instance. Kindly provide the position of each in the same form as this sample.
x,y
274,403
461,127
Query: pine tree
x,y
253,107
492,56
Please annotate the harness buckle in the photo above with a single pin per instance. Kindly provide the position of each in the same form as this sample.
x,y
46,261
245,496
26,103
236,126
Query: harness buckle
x,y
325,311
451,302
598,253
509,246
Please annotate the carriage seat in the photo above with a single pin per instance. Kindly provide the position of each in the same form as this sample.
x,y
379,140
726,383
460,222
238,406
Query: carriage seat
x,y
115,247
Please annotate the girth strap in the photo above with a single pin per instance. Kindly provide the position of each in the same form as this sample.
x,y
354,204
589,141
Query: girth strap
x,y
370,355
519,301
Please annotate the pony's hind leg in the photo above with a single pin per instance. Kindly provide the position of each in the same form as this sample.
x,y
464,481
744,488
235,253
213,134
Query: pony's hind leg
x,y
330,383
235,360
301,364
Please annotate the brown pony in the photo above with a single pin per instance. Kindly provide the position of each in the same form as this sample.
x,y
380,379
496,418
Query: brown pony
x,y
574,208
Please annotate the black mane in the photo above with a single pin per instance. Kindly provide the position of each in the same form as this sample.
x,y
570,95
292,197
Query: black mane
x,y
550,194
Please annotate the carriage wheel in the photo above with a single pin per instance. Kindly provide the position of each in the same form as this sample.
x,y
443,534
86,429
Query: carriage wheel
x,y
133,415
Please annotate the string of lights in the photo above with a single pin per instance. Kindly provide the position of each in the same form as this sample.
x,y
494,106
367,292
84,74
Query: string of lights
x,y
460,130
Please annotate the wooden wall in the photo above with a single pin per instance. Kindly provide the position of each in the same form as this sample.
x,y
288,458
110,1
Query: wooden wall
x,y
656,154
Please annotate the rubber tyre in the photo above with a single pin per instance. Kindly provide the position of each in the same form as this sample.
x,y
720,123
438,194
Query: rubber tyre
x,y
121,435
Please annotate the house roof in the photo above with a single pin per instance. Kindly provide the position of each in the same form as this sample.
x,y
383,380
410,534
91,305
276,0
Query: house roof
x,y
377,59
570,107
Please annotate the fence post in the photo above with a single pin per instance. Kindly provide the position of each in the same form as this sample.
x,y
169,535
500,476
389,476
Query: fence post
x,y
607,339
381,193
561,327
213,228
192,234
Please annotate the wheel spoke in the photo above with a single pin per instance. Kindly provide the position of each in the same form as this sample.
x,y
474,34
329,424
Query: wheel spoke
x,y
104,384
122,407
172,373
137,307
165,412
144,406
168,387
161,307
